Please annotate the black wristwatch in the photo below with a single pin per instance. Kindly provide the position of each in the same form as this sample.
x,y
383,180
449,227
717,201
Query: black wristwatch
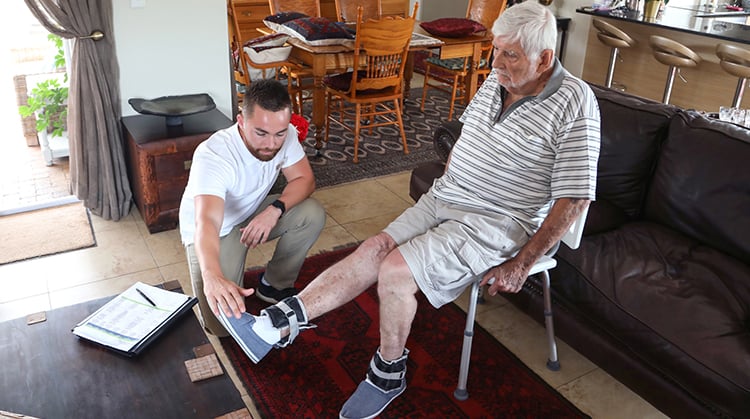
x,y
280,205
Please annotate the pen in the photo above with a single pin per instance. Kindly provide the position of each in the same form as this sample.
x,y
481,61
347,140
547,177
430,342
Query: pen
x,y
146,297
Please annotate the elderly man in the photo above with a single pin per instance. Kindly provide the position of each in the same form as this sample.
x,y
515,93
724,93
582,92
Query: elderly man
x,y
522,171
226,208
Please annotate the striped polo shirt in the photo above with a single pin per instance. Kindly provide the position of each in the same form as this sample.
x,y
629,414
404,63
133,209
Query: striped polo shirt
x,y
518,163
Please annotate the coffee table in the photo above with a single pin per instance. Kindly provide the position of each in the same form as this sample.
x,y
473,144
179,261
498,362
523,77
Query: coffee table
x,y
47,372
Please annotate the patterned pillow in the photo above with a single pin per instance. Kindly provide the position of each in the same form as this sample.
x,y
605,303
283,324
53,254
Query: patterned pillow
x,y
274,22
271,40
452,27
317,31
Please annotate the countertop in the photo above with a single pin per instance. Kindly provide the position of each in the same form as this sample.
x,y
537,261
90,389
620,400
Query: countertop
x,y
685,19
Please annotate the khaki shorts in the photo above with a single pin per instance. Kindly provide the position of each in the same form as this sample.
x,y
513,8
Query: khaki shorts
x,y
448,247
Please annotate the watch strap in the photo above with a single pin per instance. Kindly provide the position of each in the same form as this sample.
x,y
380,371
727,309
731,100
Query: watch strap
x,y
280,205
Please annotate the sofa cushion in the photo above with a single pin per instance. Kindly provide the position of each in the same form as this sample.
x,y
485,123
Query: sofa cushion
x,y
632,129
701,186
682,307
603,216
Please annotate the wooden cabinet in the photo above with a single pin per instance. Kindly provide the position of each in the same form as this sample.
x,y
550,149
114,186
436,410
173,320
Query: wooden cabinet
x,y
159,159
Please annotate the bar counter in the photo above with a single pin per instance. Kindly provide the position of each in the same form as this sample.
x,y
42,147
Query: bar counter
x,y
721,24
708,86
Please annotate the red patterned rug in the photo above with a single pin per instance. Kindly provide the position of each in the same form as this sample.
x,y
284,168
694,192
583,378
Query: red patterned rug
x,y
314,376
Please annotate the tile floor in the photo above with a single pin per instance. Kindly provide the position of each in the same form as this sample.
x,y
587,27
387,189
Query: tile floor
x,y
126,252
25,179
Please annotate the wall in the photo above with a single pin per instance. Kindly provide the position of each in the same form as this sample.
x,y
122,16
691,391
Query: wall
x,y
575,49
434,9
173,47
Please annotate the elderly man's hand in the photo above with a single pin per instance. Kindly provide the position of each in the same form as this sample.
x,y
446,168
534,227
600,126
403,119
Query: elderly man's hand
x,y
506,277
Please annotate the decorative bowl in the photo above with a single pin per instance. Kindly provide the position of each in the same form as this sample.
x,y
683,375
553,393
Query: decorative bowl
x,y
173,107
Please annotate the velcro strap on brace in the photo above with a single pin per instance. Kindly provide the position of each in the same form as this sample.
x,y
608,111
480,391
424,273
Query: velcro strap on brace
x,y
387,375
290,313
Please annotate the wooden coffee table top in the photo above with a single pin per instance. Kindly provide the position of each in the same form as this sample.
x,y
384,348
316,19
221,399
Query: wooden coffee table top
x,y
48,372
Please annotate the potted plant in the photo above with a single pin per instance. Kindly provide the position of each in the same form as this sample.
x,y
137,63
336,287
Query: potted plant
x,y
48,101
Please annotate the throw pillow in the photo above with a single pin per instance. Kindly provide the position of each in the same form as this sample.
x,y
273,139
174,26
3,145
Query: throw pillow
x,y
317,31
273,22
268,54
452,27
271,40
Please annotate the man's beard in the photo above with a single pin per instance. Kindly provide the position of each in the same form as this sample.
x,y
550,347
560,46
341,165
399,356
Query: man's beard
x,y
268,153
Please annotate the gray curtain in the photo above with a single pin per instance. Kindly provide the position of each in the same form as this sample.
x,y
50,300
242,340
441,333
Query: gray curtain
x,y
97,162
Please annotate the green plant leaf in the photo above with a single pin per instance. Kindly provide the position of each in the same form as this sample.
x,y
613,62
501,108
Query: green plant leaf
x,y
48,101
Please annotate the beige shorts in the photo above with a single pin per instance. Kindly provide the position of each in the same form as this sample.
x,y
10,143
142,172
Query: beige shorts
x,y
448,246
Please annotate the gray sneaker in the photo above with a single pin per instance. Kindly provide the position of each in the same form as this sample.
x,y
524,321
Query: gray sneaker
x,y
242,331
369,400
385,380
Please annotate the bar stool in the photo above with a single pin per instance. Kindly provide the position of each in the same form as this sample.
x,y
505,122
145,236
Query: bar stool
x,y
735,61
676,56
614,38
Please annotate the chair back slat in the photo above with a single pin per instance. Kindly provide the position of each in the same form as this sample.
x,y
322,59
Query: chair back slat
x,y
485,11
384,44
346,10
308,7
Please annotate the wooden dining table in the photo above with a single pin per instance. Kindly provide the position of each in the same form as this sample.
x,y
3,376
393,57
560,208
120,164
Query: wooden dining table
x,y
324,59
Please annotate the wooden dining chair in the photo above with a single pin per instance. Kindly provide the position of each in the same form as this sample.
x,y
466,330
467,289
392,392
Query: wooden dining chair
x,y
308,7
346,10
244,64
373,90
449,75
299,77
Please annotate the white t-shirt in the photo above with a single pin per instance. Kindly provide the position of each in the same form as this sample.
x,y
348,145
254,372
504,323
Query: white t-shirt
x,y
223,166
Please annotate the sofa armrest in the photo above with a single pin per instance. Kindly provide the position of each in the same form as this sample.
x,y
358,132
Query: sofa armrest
x,y
445,137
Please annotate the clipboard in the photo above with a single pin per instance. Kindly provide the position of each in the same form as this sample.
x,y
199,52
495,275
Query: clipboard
x,y
133,319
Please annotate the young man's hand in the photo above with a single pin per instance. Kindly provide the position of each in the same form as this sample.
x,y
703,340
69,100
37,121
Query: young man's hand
x,y
257,230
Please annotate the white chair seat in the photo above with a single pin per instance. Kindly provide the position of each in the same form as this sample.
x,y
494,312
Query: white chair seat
x,y
544,264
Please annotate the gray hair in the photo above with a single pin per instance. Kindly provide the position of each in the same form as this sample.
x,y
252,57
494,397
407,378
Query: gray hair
x,y
530,23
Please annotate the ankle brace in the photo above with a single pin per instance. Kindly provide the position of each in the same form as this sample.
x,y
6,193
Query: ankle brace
x,y
289,312
387,375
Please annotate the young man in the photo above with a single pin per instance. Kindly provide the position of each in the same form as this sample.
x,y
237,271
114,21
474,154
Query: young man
x,y
226,208
521,173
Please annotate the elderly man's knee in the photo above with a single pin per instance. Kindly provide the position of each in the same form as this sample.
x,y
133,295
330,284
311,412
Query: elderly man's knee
x,y
380,245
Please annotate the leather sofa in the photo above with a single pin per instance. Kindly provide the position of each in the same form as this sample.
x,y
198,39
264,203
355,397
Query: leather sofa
x,y
658,294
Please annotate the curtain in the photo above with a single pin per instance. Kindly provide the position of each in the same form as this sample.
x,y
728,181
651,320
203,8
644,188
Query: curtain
x,y
97,162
